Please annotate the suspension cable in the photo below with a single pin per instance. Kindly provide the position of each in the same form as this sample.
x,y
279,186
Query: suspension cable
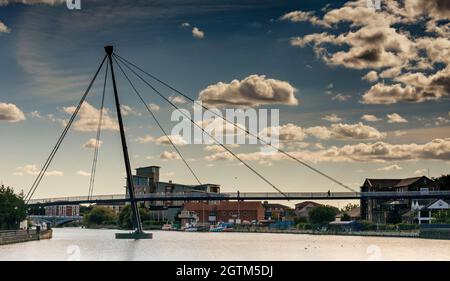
x,y
41,174
125,61
201,128
157,122
97,139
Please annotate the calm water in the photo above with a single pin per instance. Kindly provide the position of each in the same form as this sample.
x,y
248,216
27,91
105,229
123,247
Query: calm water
x,y
86,244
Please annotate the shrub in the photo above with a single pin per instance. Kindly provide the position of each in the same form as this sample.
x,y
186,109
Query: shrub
x,y
407,226
322,214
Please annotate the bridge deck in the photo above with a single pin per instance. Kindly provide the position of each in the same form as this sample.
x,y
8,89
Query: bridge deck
x,y
247,196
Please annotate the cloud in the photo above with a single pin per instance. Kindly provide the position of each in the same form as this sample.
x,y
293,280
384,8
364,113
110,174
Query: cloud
x,y
436,9
177,99
371,76
218,148
128,110
341,97
145,139
254,90
288,132
11,113
377,152
197,33
88,119
390,168
162,140
383,42
176,139
396,118
36,114
4,28
300,16
339,131
420,172
332,118
355,131
166,155
83,174
153,107
442,120
92,143
370,118
33,170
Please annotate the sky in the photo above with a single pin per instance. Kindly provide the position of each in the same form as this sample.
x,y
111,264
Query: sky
x,y
361,92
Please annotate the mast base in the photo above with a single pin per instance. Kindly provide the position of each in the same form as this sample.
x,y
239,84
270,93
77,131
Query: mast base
x,y
134,235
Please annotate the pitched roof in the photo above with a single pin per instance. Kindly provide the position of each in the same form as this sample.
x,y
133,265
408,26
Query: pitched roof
x,y
386,183
354,213
274,205
301,205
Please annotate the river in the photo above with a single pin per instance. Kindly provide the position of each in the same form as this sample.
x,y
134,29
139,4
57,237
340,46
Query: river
x,y
90,244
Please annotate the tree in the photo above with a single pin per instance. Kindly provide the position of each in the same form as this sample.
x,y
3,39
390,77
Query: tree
x,y
345,217
125,220
443,181
99,215
349,207
322,214
442,216
12,208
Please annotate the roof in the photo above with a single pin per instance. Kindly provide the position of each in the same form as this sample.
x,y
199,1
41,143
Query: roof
x,y
275,206
389,183
301,205
438,205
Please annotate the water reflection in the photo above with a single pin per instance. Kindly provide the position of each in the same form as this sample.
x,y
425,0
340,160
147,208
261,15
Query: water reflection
x,y
87,244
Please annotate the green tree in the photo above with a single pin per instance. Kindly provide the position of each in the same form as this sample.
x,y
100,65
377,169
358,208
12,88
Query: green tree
x,y
12,208
442,216
443,181
345,217
99,215
125,216
322,214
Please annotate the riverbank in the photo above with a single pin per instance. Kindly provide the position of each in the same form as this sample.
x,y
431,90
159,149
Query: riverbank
x,y
19,236
405,234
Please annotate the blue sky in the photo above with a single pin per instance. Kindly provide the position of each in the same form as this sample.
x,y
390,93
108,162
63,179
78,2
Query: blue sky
x,y
48,54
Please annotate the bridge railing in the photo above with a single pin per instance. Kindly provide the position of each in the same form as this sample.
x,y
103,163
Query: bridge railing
x,y
243,196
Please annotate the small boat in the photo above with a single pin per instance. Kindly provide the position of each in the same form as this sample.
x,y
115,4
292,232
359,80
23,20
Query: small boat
x,y
221,227
191,229
217,228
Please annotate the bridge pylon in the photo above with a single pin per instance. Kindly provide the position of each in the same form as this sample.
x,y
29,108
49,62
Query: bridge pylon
x,y
138,233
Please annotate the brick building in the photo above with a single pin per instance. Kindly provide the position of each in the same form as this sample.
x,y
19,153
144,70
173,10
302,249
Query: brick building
x,y
225,211
147,181
63,211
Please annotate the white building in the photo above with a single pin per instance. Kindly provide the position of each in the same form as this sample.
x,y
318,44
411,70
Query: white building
x,y
424,213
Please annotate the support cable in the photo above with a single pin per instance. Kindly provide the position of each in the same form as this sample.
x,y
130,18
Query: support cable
x,y
157,121
61,138
125,61
201,128
97,139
